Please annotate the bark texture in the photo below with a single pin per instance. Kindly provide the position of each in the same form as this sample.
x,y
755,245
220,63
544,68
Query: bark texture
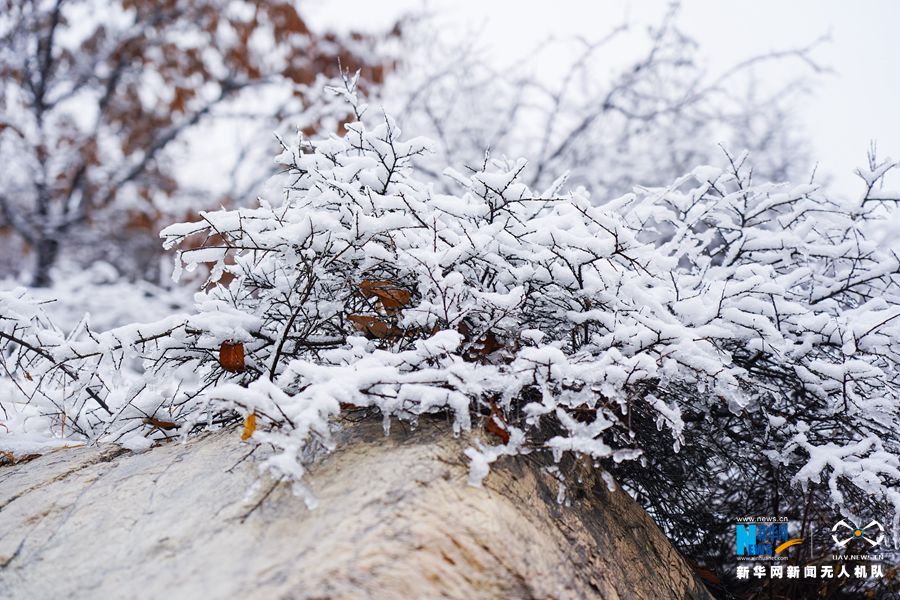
x,y
396,519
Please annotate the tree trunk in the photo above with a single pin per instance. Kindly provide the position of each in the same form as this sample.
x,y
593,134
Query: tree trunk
x,y
396,519
46,251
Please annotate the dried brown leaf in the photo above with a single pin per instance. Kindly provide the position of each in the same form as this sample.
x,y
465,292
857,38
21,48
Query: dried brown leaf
x,y
231,356
160,424
374,326
497,425
391,297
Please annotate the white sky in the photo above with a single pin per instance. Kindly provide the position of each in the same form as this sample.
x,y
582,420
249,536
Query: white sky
x,y
859,102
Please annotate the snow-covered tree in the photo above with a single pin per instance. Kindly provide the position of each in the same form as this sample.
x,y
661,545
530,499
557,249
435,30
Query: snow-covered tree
x,y
637,105
711,332
96,96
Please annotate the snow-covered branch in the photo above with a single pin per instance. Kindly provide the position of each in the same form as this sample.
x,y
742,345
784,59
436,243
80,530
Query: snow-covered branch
x,y
716,323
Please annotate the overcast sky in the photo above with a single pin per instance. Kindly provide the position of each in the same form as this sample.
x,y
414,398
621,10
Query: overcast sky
x,y
858,102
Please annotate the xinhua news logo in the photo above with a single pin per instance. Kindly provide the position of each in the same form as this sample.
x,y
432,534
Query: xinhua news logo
x,y
763,539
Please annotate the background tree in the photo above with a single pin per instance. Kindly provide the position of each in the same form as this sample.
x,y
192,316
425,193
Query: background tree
x,y
636,106
96,95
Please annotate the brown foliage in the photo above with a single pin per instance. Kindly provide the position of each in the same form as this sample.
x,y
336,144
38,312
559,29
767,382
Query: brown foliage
x,y
231,356
375,327
479,347
496,424
391,298
8,458
153,76
160,423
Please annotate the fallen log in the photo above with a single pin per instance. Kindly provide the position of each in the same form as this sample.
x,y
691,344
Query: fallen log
x,y
395,519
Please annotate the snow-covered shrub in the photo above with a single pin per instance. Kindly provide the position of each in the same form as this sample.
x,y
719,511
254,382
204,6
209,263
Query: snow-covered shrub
x,y
738,328
800,296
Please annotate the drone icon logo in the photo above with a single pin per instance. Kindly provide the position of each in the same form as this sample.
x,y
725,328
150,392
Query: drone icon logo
x,y
872,533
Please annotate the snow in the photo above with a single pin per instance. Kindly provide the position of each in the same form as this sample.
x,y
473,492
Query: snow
x,y
512,311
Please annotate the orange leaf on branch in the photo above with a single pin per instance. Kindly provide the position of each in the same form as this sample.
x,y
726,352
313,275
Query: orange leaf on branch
x,y
249,426
231,356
